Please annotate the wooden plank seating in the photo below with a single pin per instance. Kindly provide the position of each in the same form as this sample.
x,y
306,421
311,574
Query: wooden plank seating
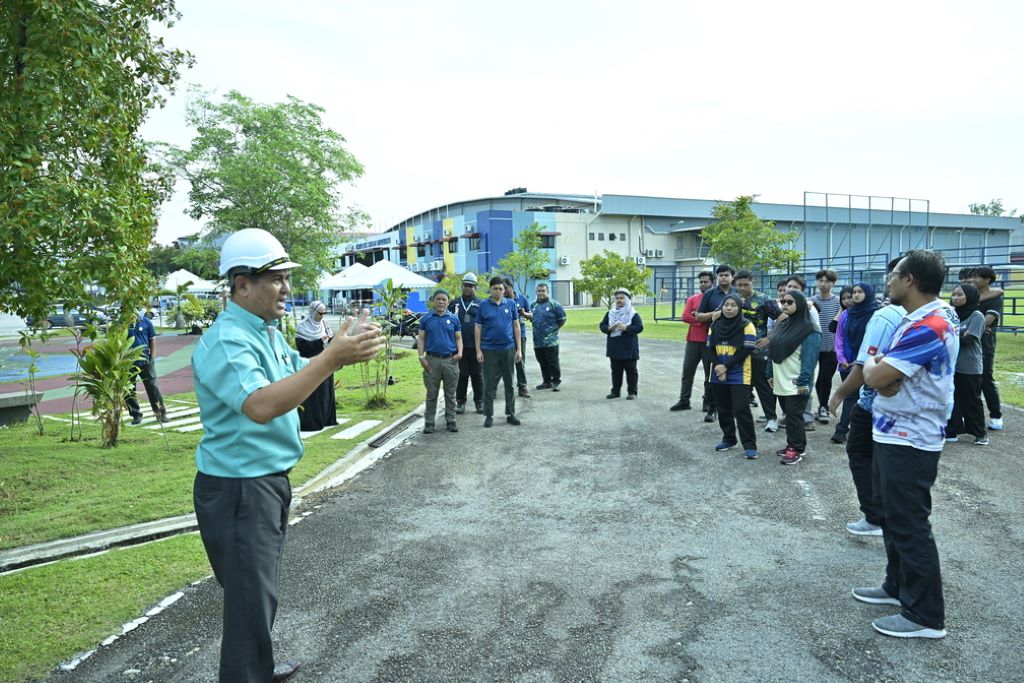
x,y
16,406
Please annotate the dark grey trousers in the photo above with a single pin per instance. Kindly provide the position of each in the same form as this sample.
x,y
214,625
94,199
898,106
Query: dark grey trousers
x,y
148,376
242,523
499,365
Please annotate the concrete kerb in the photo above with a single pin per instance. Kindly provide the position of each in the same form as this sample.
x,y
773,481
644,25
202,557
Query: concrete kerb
x,y
361,457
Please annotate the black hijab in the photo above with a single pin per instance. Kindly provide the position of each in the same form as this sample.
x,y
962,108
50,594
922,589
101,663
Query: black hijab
x,y
857,317
791,332
729,330
972,304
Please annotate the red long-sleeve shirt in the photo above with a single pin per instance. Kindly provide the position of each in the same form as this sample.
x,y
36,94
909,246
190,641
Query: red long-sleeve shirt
x,y
698,331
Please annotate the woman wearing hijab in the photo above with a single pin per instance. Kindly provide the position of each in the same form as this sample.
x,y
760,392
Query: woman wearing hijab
x,y
793,350
730,342
968,413
622,324
850,327
312,335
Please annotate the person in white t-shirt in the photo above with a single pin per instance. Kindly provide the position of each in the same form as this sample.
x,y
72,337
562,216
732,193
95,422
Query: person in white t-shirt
x,y
914,378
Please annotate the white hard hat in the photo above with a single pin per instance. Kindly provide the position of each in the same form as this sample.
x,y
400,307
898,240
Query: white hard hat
x,y
255,249
469,278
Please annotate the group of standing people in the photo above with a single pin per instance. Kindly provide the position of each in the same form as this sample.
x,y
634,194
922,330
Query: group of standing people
x,y
782,369
913,369
477,342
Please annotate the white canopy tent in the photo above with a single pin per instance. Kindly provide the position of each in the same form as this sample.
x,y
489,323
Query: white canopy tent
x,y
199,285
338,281
385,270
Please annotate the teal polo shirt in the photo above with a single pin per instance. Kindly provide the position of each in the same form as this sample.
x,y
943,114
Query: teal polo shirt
x,y
234,358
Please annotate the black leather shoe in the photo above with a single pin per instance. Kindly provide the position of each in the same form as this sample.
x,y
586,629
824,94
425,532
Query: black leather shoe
x,y
452,427
545,385
523,393
513,420
428,429
711,416
612,395
680,405
489,421
282,672
460,408
479,405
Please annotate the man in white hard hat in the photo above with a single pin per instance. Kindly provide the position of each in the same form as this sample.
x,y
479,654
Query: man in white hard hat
x,y
249,383
470,372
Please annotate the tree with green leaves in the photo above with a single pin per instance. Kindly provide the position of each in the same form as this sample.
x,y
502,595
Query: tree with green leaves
x,y
527,260
269,166
992,208
602,274
78,200
741,239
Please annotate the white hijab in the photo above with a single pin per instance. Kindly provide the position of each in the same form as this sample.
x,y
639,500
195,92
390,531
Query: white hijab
x,y
622,315
312,329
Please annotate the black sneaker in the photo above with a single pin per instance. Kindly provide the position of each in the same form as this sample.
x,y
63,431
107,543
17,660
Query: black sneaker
x,y
711,416
680,405
428,429
823,415
488,421
452,427
136,419
545,385
556,387
838,438
612,395
513,420
460,408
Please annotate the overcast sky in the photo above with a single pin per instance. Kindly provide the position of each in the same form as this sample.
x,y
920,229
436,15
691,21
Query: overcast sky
x,y
449,100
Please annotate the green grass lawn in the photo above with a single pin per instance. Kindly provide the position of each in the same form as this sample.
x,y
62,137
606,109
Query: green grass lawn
x,y
1009,368
51,613
588,319
53,488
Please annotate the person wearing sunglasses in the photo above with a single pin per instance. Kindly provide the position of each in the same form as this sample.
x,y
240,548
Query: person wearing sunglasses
x,y
793,350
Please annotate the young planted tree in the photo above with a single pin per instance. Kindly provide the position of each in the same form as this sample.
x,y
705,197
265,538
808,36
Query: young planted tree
x,y
270,166
741,239
602,274
78,203
527,260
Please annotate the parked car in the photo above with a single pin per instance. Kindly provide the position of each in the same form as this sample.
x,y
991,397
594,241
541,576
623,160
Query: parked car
x,y
78,318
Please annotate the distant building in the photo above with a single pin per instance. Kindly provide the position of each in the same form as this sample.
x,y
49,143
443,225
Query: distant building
x,y
665,234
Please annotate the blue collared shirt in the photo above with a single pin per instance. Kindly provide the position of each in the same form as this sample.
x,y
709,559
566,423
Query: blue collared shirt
x,y
439,333
142,332
234,358
495,321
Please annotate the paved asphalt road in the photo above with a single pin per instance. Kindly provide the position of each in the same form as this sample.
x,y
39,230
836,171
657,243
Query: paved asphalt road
x,y
606,541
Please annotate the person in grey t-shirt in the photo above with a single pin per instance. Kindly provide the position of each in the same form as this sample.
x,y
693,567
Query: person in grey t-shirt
x,y
968,413
828,305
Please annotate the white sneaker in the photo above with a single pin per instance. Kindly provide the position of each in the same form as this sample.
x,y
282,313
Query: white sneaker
x,y
863,527
772,426
995,423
